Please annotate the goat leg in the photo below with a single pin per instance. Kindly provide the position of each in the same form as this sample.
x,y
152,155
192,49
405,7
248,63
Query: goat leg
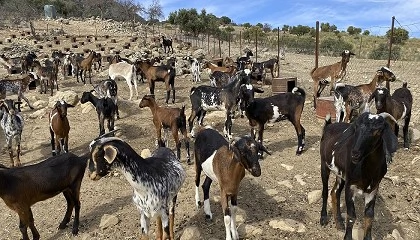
x,y
325,173
12,163
167,96
351,212
159,231
52,142
17,163
335,199
370,199
173,95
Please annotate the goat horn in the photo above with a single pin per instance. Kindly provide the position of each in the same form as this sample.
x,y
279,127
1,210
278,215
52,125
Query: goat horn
x,y
387,115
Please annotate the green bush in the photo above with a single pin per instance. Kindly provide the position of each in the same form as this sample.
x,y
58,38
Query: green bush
x,y
382,52
334,47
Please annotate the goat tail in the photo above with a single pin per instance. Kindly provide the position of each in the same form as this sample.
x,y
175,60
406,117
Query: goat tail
x,y
192,90
313,70
299,91
404,85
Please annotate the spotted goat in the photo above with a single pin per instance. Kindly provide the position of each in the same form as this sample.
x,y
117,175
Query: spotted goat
x,y
18,86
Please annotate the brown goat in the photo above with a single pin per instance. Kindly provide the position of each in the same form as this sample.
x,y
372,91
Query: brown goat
x,y
330,74
231,69
46,75
59,127
168,118
161,73
84,66
24,186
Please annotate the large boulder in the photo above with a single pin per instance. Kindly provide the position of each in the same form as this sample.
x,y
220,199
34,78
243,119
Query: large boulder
x,y
68,96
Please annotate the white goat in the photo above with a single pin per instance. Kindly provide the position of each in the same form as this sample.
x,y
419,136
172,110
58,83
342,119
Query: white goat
x,y
195,70
126,71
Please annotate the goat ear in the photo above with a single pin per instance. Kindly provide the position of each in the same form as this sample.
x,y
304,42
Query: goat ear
x,y
262,148
70,105
371,97
389,138
110,153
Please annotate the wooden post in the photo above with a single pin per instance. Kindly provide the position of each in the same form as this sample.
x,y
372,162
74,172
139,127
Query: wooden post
x,y
240,42
256,46
316,44
220,49
229,45
390,48
278,51
208,43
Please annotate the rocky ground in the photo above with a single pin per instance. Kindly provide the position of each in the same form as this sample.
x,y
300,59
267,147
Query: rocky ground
x,y
284,203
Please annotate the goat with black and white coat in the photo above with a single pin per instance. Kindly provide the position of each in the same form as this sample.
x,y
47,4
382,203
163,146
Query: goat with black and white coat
x,y
207,98
156,180
108,88
167,43
399,105
11,121
225,164
195,69
282,106
359,154
18,86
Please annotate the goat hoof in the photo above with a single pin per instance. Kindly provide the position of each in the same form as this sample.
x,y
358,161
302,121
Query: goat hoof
x,y
208,217
189,162
75,231
340,224
62,226
323,221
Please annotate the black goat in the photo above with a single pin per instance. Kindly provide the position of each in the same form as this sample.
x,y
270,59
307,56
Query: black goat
x,y
108,88
207,98
276,108
358,154
271,64
167,43
105,108
24,186
399,105
27,62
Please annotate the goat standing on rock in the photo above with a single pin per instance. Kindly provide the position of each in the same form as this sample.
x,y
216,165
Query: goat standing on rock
x,y
156,180
359,154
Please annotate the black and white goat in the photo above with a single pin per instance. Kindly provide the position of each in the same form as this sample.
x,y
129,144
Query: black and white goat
x,y
359,154
225,164
207,98
219,79
195,69
399,105
167,43
275,108
105,108
108,88
18,86
11,121
156,180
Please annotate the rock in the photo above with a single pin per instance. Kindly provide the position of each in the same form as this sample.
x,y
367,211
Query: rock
x,y
199,54
247,231
280,199
190,233
40,103
299,180
288,167
145,153
286,183
415,135
271,192
108,221
69,96
314,196
38,114
288,225
87,107
396,234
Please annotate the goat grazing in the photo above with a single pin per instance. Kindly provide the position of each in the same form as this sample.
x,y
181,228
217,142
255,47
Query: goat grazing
x,y
12,123
352,100
225,164
168,118
84,66
126,71
161,73
17,86
359,154
59,127
330,74
167,43
24,186
156,180
206,98
276,108
108,88
105,108
399,105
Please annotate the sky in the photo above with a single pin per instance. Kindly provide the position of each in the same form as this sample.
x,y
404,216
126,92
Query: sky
x,y
372,15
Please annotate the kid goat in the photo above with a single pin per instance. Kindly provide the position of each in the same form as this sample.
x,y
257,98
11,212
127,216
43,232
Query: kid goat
x,y
59,127
399,105
226,164
11,122
24,186
168,118
330,74
156,180
359,154
276,108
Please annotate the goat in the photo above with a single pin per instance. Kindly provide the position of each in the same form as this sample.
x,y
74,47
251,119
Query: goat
x,y
97,60
156,180
219,79
207,98
245,59
11,121
24,186
46,74
84,66
226,164
17,86
330,74
195,69
105,108
59,127
126,71
271,64
399,105
4,61
168,118
26,62
359,154
167,43
108,88
351,100
75,60
213,67
276,108
161,73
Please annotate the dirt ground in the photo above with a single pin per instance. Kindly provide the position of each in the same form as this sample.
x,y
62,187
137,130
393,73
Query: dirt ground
x,y
280,193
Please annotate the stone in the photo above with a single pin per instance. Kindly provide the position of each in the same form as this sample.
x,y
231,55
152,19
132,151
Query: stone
x,y
314,196
38,114
145,153
107,221
190,233
87,107
286,183
288,167
40,103
396,234
288,225
300,180
69,96
248,231
271,192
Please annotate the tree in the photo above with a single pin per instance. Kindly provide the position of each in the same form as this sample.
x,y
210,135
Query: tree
x,y
325,27
366,33
400,35
225,20
354,30
260,25
246,25
154,11
285,28
266,27
300,30
382,52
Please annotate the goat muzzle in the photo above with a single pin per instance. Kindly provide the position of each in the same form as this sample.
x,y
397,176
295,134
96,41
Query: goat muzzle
x,y
255,171
94,176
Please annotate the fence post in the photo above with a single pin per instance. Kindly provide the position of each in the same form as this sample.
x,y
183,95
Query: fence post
x,y
208,43
316,44
390,47
278,51
256,46
240,42
220,49
229,45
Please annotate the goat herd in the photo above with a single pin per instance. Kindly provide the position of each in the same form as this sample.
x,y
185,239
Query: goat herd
x,y
357,149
